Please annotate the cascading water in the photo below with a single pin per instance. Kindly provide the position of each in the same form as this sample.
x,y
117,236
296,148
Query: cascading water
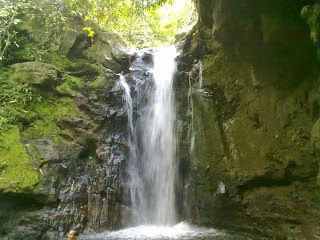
x,y
193,88
136,187
151,140
159,143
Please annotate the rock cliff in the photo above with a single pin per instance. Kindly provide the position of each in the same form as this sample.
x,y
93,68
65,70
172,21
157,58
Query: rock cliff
x,y
248,87
62,156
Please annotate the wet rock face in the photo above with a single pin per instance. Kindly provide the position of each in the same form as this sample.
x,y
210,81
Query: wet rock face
x,y
73,153
270,34
89,186
254,121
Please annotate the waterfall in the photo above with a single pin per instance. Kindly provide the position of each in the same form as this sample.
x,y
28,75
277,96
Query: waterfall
x,y
150,110
149,104
196,87
200,68
191,131
135,184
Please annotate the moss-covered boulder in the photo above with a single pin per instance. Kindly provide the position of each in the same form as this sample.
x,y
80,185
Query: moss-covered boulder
x,y
17,171
36,73
108,51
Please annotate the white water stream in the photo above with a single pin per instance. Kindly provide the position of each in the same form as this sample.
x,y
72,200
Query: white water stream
x,y
152,142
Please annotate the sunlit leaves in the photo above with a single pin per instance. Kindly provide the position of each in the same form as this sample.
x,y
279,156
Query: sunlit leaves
x,y
140,23
90,31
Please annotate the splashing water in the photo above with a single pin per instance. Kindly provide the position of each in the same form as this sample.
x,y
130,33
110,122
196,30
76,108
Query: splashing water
x,y
180,231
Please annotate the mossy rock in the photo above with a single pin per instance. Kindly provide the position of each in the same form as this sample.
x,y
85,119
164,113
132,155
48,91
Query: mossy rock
x,y
17,171
35,73
75,67
49,114
102,82
70,86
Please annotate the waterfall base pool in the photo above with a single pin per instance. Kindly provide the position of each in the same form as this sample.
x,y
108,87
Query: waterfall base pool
x,y
181,231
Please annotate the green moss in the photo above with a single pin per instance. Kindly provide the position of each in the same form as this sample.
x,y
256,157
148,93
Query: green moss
x,y
98,83
74,65
35,153
49,114
70,86
59,61
17,172
101,82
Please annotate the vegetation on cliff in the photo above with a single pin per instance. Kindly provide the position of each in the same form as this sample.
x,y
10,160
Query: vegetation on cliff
x,y
139,23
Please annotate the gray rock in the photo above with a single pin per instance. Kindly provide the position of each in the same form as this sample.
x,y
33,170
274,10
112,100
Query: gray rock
x,y
46,148
68,41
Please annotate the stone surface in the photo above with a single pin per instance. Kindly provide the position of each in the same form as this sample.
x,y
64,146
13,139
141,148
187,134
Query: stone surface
x,y
107,50
35,73
72,156
254,119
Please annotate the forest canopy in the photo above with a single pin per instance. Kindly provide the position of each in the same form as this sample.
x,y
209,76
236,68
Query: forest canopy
x,y
140,23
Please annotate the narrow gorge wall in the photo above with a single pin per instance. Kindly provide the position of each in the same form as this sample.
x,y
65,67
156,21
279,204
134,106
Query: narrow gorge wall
x,y
255,120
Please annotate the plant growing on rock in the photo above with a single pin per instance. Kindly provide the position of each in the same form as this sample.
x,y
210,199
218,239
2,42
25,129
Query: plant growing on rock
x,y
14,101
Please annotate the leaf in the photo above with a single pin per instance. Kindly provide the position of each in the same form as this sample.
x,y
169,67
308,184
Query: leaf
x,y
91,33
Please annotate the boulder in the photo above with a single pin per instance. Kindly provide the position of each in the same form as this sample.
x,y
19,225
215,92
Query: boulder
x,y
108,51
35,73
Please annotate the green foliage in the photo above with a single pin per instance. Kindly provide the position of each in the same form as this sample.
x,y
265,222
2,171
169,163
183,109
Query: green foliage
x,y
162,24
8,19
139,22
90,31
14,100
23,22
